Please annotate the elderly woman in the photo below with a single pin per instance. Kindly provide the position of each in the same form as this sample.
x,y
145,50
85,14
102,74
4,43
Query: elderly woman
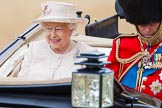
x,y
54,57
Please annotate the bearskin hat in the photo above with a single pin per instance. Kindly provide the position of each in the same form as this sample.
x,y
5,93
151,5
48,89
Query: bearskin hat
x,y
140,12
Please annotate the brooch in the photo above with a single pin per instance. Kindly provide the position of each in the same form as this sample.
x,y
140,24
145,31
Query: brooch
x,y
154,63
156,87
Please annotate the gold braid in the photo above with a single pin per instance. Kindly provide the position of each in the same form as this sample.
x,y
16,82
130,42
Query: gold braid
x,y
134,59
122,75
127,60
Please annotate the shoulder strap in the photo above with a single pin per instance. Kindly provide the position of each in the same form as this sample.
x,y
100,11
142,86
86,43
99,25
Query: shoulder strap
x,y
126,35
126,60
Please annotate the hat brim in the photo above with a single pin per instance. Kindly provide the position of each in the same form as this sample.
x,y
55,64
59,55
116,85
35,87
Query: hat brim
x,y
61,20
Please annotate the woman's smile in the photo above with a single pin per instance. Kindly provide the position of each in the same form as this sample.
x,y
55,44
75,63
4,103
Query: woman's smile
x,y
55,41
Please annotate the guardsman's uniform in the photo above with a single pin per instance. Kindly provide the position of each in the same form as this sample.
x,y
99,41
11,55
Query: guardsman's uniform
x,y
136,66
137,59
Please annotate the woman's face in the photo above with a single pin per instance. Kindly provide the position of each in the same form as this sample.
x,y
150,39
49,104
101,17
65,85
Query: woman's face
x,y
148,30
57,35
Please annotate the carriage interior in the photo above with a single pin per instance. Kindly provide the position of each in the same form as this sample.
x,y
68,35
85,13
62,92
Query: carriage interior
x,y
98,34
12,56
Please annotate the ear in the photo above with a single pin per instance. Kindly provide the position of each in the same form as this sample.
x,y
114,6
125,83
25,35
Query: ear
x,y
71,32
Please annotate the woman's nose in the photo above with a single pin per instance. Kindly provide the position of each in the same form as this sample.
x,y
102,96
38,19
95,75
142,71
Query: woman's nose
x,y
53,32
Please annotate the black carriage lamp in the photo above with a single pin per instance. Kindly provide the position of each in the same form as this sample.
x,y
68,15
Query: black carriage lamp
x,y
92,86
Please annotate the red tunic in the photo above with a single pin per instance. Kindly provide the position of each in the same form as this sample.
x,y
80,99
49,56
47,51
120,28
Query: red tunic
x,y
151,83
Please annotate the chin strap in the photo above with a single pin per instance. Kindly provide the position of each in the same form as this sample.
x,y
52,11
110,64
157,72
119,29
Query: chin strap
x,y
152,40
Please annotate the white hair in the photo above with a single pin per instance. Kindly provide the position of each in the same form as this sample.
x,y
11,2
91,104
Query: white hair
x,y
72,26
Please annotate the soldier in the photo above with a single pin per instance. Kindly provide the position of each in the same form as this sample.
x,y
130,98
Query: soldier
x,y
137,58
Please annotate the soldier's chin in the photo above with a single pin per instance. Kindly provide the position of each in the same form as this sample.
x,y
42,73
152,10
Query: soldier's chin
x,y
147,36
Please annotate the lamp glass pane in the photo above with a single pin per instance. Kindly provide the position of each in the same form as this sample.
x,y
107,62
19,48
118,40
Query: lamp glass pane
x,y
107,89
85,90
